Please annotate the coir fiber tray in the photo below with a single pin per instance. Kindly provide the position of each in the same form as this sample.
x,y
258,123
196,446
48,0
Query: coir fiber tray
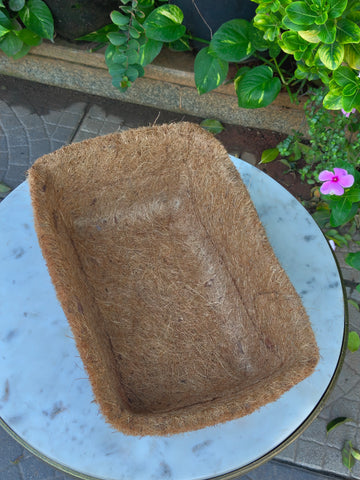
x,y
180,310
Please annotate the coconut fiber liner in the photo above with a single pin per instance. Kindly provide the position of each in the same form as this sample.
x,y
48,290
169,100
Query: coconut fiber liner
x,y
180,310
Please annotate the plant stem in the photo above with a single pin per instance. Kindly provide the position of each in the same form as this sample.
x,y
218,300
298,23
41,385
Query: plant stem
x,y
263,59
280,73
197,39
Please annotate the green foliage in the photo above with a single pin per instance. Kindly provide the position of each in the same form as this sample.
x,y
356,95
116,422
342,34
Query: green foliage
x,y
349,455
232,42
257,87
4,188
323,36
336,423
353,341
269,155
334,141
212,125
24,24
210,71
154,26
138,31
165,24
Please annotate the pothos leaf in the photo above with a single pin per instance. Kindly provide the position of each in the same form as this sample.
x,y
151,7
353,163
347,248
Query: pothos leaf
x,y
257,88
353,259
210,71
212,125
353,340
269,155
336,422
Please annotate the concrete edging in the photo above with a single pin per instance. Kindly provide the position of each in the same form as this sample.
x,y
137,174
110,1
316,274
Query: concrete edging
x,y
168,84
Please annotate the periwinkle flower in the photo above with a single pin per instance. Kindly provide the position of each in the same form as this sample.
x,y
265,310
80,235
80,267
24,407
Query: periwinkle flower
x,y
332,245
335,182
347,114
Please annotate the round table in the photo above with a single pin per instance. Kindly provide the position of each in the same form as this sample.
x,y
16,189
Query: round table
x,y
46,401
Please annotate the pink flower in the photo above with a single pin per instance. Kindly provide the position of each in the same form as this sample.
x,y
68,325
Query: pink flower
x,y
347,114
335,182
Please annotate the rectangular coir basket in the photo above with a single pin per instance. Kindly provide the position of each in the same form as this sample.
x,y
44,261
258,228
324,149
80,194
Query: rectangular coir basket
x,y
180,310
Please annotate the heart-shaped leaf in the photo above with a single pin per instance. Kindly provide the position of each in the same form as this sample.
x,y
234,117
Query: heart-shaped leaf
x,y
210,71
232,42
37,17
165,24
257,88
148,51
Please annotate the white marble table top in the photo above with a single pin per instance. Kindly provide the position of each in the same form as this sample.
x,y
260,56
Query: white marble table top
x,y
45,396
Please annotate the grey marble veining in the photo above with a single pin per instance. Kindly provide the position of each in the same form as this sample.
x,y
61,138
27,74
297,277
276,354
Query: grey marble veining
x,y
45,396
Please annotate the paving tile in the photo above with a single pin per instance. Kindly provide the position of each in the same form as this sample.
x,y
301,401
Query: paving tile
x,y
10,451
32,468
333,462
19,155
13,174
316,431
275,470
12,473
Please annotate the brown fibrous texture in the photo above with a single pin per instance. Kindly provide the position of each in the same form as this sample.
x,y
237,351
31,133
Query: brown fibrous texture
x,y
181,312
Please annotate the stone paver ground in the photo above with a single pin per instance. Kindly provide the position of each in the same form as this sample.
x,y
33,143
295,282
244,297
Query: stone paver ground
x,y
35,120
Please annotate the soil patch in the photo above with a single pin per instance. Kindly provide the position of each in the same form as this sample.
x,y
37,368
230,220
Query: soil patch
x,y
243,140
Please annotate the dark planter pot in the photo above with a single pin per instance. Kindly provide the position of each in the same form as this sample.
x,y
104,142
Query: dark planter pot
x,y
74,18
203,17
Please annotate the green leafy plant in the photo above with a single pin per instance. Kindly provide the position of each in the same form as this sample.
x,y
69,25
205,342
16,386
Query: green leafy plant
x,y
135,37
334,140
330,154
212,125
24,24
143,27
323,36
235,42
349,454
